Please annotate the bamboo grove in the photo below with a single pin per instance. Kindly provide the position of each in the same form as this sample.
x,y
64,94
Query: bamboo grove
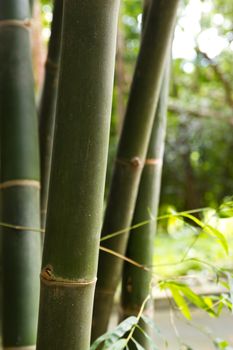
x,y
53,169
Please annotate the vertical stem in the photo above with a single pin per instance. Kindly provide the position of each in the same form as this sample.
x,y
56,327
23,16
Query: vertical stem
x,y
132,151
48,104
120,76
19,178
78,172
38,50
136,282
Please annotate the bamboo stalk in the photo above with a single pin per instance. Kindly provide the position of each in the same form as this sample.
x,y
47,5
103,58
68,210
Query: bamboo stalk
x,y
132,152
136,283
48,104
75,205
19,178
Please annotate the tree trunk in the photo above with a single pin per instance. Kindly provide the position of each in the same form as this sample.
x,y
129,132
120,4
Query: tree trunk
x,y
48,104
19,178
132,152
75,205
136,282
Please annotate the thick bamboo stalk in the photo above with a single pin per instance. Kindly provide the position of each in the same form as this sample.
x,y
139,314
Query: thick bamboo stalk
x,y
48,104
75,205
132,152
136,282
19,178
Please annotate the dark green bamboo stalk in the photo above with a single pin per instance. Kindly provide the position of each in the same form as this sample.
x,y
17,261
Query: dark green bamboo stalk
x,y
146,8
75,205
132,152
19,178
48,104
31,4
136,282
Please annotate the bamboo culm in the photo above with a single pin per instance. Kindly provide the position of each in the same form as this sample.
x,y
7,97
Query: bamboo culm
x,y
136,283
48,105
20,185
75,205
131,153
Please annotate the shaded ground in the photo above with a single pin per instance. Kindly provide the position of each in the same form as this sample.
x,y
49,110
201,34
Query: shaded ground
x,y
198,333
217,328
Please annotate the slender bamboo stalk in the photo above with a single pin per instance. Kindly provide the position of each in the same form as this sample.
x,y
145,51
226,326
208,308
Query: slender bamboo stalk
x,y
38,49
136,282
146,9
19,178
132,152
79,160
48,104
31,3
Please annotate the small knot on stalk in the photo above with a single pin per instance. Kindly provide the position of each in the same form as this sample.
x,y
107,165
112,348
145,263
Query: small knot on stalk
x,y
136,162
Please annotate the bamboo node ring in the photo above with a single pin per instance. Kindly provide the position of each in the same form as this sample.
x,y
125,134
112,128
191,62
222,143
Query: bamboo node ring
x,y
47,277
33,347
20,182
153,161
135,162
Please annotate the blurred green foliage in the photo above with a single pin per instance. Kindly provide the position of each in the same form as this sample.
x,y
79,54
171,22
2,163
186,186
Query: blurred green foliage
x,y
197,166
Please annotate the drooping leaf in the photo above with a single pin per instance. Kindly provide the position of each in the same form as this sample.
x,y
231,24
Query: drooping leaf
x,y
210,230
222,344
230,282
180,302
149,339
138,346
150,322
112,337
180,290
119,345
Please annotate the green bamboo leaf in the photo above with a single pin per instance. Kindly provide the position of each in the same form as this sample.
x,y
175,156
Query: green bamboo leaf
x,y
180,301
151,323
119,345
99,341
220,237
221,344
175,288
150,340
225,210
110,338
208,301
138,346
124,327
227,301
198,300
210,230
230,282
194,298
